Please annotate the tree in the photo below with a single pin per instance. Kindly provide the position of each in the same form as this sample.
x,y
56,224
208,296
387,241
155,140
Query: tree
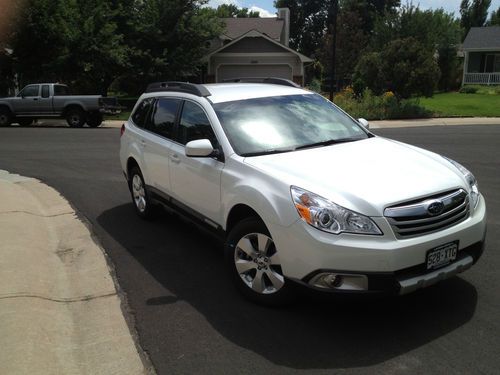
x,y
169,40
436,30
405,67
91,43
473,14
494,18
308,23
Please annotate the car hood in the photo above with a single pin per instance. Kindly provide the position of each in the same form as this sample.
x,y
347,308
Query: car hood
x,y
365,176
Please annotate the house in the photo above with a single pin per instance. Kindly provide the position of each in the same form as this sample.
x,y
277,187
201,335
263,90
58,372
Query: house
x,y
255,48
482,56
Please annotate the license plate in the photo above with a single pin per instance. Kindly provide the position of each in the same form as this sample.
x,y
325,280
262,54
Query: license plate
x,y
442,255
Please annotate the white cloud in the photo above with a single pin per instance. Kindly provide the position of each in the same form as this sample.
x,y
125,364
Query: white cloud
x,y
216,3
263,12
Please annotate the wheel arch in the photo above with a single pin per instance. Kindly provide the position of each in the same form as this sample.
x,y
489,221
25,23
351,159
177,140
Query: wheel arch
x,y
240,212
7,106
131,163
71,106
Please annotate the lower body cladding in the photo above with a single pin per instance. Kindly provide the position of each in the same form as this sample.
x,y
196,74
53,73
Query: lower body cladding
x,y
349,263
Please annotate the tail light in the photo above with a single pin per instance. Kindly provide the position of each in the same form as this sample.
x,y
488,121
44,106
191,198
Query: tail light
x,y
122,130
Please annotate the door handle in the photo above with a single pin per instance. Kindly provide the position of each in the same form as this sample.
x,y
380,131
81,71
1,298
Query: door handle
x,y
175,158
143,143
35,98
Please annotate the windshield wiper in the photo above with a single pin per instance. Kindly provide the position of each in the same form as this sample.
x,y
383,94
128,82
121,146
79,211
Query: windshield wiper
x,y
328,143
268,152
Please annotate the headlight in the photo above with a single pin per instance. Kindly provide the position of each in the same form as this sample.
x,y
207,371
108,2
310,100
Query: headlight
x,y
471,180
330,217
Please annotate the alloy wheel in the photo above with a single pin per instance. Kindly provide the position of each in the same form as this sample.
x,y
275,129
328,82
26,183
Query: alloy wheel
x,y
257,263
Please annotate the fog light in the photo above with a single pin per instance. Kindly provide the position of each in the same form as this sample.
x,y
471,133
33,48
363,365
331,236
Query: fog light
x,y
339,281
332,280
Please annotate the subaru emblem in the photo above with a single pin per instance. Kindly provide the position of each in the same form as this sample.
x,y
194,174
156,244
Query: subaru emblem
x,y
435,207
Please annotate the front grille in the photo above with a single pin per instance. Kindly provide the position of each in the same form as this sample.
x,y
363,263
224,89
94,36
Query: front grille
x,y
429,214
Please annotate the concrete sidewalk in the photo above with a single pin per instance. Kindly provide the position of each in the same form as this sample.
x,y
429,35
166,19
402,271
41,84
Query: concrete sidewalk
x,y
451,121
59,308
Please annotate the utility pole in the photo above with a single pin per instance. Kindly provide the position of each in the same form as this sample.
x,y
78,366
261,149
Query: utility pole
x,y
334,9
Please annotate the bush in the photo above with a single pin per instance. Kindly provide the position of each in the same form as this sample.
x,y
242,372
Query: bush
x,y
404,67
379,107
468,90
315,85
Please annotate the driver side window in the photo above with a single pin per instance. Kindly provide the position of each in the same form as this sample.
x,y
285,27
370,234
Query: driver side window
x,y
32,90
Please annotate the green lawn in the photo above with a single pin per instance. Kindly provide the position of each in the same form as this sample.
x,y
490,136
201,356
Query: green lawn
x,y
454,104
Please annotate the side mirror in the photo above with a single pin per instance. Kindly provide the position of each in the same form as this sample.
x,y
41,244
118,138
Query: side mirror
x,y
364,123
200,148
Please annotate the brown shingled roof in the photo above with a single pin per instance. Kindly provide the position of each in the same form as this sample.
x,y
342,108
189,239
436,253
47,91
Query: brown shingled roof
x,y
236,27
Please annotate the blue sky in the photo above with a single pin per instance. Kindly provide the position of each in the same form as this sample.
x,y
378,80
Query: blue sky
x,y
267,9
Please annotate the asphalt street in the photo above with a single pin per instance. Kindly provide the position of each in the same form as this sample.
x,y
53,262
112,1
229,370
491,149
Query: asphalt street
x,y
190,319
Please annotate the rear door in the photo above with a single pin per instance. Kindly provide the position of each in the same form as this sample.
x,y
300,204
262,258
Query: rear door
x,y
45,101
157,143
195,182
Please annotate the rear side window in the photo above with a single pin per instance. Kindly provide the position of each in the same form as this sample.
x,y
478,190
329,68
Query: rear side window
x,y
194,124
163,118
61,90
140,116
45,91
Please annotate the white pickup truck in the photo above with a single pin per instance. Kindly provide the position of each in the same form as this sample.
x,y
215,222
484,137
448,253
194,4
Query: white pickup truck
x,y
53,100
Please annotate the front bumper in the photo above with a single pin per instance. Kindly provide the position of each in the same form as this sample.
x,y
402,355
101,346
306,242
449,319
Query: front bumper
x,y
389,264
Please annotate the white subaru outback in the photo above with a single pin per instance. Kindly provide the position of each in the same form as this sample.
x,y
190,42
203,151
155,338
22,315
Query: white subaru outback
x,y
301,192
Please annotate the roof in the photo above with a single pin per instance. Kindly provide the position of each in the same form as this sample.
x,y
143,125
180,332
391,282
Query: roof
x,y
255,33
228,92
483,38
236,27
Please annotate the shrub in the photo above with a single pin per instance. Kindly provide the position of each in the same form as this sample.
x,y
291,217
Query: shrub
x,y
379,107
315,85
468,90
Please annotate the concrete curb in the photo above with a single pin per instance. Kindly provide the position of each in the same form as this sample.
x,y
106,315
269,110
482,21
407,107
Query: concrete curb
x,y
452,121
59,308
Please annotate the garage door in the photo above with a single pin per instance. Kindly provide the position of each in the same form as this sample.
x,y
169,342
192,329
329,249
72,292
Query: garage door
x,y
253,71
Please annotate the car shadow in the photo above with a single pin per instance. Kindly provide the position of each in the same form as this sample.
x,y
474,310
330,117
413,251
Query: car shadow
x,y
318,332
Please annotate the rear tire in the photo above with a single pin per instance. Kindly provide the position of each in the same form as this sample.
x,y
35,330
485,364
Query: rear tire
x,y
75,117
5,117
140,196
254,265
24,121
94,119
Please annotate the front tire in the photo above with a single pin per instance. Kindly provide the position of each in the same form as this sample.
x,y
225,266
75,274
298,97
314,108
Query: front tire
x,y
5,117
75,117
254,264
140,196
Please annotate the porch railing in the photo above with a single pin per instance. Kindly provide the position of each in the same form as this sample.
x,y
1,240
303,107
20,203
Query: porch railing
x,y
482,78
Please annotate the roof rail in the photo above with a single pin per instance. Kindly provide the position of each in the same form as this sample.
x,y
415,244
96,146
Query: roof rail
x,y
271,80
190,88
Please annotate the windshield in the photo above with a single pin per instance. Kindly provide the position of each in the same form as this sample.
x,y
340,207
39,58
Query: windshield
x,y
285,123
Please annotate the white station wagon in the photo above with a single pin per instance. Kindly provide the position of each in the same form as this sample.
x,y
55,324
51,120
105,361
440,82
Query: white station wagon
x,y
300,191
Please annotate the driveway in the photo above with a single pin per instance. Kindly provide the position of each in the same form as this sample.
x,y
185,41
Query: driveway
x,y
191,320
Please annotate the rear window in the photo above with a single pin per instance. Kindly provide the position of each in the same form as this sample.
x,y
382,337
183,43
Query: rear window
x,y
140,116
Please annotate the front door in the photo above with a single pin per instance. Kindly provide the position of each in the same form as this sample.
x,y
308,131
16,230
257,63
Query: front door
x,y
26,102
196,181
